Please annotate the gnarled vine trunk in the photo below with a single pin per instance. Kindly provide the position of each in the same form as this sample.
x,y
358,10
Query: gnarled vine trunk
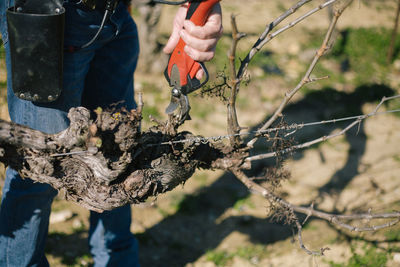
x,y
107,163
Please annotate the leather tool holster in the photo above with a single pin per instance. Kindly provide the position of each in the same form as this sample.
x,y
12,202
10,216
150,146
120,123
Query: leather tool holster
x,y
36,38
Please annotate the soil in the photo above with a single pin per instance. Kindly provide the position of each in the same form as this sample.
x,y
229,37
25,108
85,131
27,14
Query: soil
x,y
213,220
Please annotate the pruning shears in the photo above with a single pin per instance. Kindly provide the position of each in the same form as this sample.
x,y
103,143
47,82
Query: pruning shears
x,y
182,69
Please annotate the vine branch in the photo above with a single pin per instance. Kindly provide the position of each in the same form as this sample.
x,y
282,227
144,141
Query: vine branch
x,y
306,78
357,121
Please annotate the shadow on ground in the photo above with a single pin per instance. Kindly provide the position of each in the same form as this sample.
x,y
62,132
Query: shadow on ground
x,y
192,231
327,104
68,247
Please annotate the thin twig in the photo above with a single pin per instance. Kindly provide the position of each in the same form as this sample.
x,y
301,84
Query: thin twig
x,y
233,124
293,127
256,188
334,219
358,120
304,145
306,78
394,34
236,37
265,37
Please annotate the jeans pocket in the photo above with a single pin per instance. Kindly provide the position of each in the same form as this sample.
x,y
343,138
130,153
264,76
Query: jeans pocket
x,y
81,24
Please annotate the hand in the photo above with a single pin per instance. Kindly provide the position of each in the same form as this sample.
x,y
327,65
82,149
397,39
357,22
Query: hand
x,y
200,40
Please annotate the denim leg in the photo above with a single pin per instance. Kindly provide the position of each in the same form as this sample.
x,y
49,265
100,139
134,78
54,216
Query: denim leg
x,y
26,206
111,242
109,81
110,78
24,213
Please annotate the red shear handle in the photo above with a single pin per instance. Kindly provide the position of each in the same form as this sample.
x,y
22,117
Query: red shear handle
x,y
198,13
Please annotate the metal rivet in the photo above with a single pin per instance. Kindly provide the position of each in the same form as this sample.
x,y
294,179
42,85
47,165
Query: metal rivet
x,y
21,95
176,92
35,97
19,9
58,10
50,98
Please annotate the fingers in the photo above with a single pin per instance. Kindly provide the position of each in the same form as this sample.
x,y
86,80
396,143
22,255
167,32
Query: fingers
x,y
199,74
211,29
172,41
177,27
199,55
200,40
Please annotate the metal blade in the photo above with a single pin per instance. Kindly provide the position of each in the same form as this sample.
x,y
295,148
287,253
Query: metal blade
x,y
173,105
185,107
177,98
175,77
175,81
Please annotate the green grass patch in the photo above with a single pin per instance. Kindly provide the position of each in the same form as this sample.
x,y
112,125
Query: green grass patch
x,y
351,102
366,50
281,7
201,108
201,178
335,76
185,204
176,201
85,260
135,11
310,226
152,106
394,105
371,257
150,111
220,59
73,252
251,252
265,60
163,212
243,203
360,50
393,235
219,258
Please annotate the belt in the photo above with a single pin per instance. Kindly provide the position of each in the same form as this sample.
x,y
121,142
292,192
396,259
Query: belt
x,y
100,4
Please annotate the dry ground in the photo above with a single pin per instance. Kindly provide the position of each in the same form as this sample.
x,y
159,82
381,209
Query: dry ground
x,y
213,220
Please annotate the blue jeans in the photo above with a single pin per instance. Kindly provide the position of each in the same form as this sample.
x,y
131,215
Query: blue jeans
x,y
99,75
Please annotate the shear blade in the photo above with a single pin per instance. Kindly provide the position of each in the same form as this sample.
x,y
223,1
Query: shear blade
x,y
185,107
178,99
175,81
173,105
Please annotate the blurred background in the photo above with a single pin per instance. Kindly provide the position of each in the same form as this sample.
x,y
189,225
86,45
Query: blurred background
x,y
213,220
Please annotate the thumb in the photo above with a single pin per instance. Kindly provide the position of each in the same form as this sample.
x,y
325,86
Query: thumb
x,y
172,41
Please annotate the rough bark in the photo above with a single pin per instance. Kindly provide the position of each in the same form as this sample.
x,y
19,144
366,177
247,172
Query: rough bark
x,y
107,162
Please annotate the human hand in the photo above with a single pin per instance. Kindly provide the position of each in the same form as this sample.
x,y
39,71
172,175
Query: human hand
x,y
200,40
